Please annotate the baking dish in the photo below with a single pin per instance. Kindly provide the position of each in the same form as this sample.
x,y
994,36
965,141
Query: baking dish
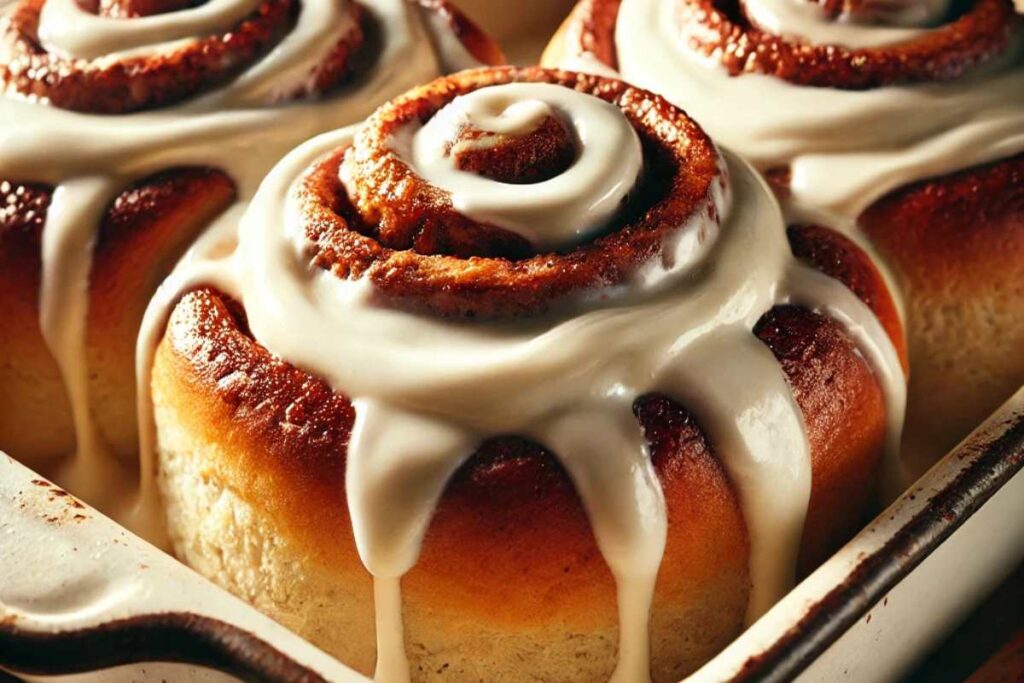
x,y
79,594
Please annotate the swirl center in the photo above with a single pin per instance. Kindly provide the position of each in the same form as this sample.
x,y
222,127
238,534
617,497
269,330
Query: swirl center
x,y
523,143
549,163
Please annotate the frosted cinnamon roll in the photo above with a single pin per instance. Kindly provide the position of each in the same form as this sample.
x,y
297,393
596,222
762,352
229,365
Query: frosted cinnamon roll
x,y
523,378
98,204
901,120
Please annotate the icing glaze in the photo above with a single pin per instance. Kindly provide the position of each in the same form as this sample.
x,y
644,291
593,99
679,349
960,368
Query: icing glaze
x,y
551,214
892,22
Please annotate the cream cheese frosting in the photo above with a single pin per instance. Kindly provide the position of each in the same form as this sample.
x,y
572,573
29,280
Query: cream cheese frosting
x,y
551,214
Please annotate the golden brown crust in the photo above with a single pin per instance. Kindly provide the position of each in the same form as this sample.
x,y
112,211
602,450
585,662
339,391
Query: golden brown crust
x,y
23,354
956,245
142,234
510,548
23,208
844,414
959,212
590,28
288,431
147,227
392,228
719,31
273,438
511,508
953,243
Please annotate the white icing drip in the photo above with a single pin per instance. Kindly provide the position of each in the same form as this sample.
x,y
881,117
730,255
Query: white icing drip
x,y
550,214
291,65
91,158
846,148
63,302
421,409
860,178
206,263
602,447
741,398
453,54
462,354
395,450
807,21
802,214
808,287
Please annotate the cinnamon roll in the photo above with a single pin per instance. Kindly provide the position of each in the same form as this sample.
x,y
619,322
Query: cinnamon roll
x,y
128,127
522,378
901,121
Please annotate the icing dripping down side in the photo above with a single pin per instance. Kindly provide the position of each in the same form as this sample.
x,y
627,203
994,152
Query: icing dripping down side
x,y
807,287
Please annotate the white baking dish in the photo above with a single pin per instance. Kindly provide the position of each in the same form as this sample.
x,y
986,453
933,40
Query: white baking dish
x,y
78,593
